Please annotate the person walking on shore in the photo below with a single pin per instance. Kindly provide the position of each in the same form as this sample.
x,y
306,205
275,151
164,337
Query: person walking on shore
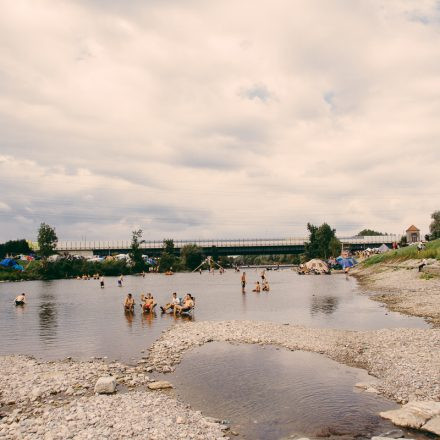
x,y
422,264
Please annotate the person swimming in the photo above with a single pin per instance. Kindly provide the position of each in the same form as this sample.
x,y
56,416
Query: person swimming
x,y
129,303
20,300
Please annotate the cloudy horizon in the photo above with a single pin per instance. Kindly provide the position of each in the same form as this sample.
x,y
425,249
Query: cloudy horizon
x,y
194,119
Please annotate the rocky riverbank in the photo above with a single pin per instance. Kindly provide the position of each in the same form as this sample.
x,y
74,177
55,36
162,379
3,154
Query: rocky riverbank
x,y
406,362
56,400
403,288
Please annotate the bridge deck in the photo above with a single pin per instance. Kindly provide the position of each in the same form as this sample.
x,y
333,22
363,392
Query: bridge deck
x,y
224,246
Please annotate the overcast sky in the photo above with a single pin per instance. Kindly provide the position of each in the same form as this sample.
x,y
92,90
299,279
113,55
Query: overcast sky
x,y
214,119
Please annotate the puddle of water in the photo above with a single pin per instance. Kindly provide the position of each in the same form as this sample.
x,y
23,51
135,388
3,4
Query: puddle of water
x,y
79,319
270,393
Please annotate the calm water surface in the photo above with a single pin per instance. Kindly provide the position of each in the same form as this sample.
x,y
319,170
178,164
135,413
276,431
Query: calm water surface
x,y
77,318
269,393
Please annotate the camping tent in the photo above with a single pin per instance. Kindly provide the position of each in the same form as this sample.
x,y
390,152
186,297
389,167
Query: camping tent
x,y
316,264
346,262
12,264
383,248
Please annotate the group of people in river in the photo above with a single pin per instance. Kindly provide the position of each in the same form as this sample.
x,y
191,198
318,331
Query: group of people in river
x,y
264,286
175,305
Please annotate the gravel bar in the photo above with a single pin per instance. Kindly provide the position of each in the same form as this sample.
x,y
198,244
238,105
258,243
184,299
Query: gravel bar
x,y
406,361
403,288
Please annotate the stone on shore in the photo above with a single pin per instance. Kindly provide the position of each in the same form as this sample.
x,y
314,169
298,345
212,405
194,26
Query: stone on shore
x,y
433,425
159,385
413,414
105,385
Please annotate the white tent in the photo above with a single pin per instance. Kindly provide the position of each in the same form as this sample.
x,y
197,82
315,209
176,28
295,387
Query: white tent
x,y
383,248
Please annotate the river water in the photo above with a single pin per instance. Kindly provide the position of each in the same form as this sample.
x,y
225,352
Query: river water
x,y
79,319
267,393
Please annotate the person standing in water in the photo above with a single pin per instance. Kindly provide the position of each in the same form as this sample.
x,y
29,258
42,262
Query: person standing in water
x,y
120,280
243,281
101,282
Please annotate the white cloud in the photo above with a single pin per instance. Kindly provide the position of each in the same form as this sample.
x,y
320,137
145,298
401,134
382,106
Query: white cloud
x,y
195,119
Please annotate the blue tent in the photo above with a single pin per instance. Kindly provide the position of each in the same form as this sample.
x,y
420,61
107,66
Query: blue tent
x,y
346,262
7,262
10,263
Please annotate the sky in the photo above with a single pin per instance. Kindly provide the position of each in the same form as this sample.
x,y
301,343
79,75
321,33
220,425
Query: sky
x,y
192,119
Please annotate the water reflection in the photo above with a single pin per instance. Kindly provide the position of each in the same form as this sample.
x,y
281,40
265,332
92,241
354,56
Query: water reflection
x,y
48,318
129,316
323,304
148,318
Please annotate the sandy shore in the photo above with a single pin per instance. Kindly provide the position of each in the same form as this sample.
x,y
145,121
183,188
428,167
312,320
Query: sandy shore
x,y
403,289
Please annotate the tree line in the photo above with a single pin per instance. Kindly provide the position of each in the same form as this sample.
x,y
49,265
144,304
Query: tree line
x,y
322,243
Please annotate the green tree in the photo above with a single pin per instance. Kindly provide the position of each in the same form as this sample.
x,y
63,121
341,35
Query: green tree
x,y
369,232
434,227
167,257
135,251
322,242
14,247
312,247
47,240
192,256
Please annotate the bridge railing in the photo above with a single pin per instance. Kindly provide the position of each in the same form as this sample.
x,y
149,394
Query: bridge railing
x,y
125,244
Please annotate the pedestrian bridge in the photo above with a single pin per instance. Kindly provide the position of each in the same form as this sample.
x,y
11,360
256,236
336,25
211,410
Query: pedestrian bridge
x,y
257,246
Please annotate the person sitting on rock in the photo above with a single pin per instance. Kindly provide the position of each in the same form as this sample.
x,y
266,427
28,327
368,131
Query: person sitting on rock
x,y
129,303
174,302
257,287
188,305
148,302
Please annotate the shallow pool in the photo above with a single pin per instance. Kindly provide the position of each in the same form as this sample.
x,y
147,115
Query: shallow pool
x,y
270,393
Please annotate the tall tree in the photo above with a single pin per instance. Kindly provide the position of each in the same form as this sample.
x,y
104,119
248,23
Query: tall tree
x,y
47,240
434,227
322,242
167,257
135,251
192,256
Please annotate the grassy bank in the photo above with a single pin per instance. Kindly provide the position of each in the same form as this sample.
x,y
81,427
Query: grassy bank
x,y
432,250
